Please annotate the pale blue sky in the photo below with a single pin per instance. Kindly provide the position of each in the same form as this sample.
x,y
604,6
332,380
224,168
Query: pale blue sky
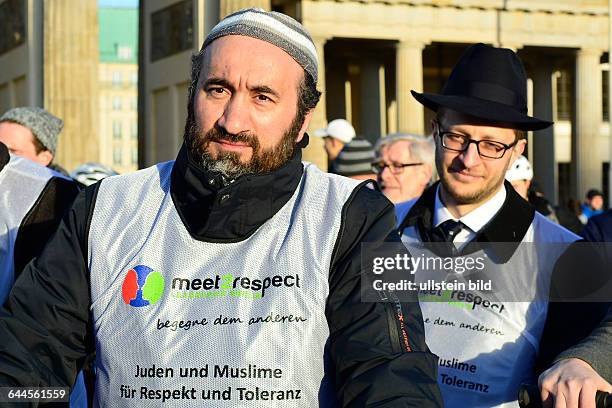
x,y
118,3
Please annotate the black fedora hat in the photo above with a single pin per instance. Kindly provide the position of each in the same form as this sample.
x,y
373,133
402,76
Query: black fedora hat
x,y
490,84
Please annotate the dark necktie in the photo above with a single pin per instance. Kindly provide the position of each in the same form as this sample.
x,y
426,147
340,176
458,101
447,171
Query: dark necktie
x,y
446,232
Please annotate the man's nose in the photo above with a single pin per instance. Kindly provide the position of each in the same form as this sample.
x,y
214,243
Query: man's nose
x,y
470,157
386,174
235,118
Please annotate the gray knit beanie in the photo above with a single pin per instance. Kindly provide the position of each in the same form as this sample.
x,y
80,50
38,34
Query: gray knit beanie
x,y
276,28
43,125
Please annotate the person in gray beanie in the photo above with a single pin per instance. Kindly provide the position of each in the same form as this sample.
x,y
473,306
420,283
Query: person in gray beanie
x,y
31,132
231,276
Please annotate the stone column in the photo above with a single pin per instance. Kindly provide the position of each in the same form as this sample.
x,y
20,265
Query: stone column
x,y
177,121
314,152
543,159
337,91
206,14
35,41
588,119
71,89
373,107
409,76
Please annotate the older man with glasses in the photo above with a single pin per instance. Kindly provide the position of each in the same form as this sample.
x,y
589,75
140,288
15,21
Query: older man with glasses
x,y
404,165
487,350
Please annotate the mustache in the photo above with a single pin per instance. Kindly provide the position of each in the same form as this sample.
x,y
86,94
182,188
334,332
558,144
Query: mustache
x,y
197,141
217,134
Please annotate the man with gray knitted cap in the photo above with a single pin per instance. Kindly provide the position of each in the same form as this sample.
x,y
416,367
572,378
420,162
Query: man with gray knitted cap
x,y
232,275
31,132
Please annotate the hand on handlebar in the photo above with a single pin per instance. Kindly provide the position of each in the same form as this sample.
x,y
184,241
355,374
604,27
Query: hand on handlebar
x,y
571,383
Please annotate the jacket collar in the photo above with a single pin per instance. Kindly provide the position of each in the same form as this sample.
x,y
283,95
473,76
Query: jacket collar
x,y
509,225
215,211
4,156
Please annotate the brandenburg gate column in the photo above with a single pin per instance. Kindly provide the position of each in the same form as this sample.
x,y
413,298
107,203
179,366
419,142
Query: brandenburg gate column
x,y
585,132
409,76
543,160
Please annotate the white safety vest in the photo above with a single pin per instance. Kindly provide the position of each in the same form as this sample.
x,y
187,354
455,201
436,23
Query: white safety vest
x,y
21,183
487,352
185,323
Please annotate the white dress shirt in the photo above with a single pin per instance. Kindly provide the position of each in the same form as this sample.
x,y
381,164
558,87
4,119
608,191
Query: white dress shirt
x,y
474,221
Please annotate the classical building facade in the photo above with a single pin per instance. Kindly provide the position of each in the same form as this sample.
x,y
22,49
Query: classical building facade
x,y
118,81
49,58
373,52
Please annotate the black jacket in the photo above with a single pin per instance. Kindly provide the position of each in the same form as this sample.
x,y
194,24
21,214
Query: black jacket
x,y
595,349
599,228
47,329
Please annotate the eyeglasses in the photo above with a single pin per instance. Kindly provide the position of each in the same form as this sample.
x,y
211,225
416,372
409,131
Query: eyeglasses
x,y
395,168
489,149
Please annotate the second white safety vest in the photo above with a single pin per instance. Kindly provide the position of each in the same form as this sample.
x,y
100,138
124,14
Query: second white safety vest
x,y
487,351
21,184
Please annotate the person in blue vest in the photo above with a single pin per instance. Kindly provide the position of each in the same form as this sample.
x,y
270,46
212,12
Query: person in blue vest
x,y
230,276
490,347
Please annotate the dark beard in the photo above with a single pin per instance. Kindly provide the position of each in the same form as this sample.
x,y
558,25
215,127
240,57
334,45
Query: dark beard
x,y
461,197
228,163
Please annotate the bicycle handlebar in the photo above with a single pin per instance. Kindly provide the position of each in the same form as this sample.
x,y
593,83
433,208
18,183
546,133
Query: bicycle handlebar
x,y
529,397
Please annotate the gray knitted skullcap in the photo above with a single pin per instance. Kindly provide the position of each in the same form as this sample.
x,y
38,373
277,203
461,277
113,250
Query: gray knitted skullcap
x,y
276,28
43,125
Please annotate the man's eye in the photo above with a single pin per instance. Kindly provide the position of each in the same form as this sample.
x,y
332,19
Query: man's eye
x,y
493,146
263,98
216,91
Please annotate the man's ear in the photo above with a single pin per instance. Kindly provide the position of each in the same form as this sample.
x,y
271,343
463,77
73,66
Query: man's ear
x,y
44,158
305,125
518,149
434,125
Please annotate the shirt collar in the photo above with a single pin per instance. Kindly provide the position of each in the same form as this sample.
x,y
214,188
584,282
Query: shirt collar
x,y
510,224
4,155
475,219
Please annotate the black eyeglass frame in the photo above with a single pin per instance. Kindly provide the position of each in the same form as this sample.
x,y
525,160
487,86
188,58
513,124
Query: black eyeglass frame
x,y
378,169
443,133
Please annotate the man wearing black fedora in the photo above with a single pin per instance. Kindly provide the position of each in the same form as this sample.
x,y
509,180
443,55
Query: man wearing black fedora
x,y
489,348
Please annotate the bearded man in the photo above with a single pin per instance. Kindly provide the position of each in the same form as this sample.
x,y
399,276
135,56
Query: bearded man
x,y
231,276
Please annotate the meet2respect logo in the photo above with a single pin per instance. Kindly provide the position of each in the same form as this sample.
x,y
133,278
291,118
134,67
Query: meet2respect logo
x,y
142,286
